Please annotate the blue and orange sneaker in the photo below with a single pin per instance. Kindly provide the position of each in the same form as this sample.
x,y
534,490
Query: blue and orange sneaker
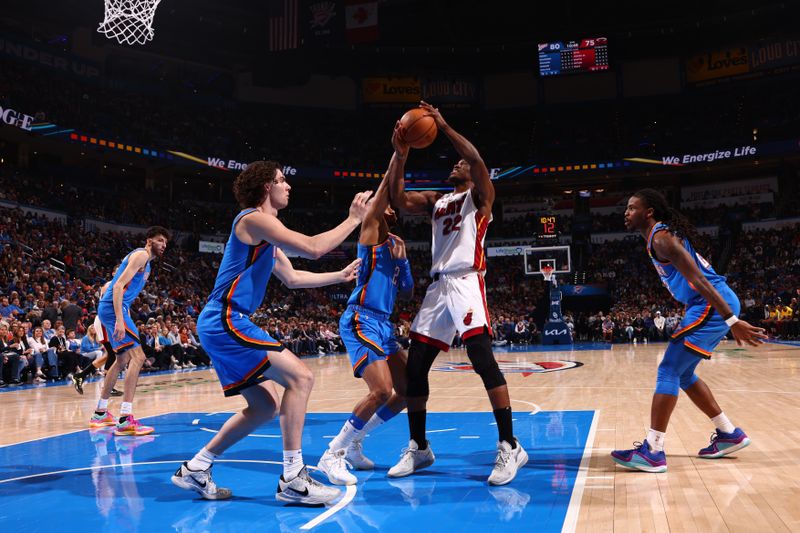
x,y
641,458
723,444
101,421
132,427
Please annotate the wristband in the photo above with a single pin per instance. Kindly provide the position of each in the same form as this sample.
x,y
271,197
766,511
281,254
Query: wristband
x,y
731,320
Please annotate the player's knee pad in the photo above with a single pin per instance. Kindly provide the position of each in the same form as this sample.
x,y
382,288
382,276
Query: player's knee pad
x,y
479,351
420,360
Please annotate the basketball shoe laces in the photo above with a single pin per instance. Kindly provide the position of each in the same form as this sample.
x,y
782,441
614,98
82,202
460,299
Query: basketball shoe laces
x,y
503,458
340,461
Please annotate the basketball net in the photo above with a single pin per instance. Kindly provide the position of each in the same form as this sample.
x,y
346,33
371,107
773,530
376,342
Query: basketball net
x,y
547,272
129,21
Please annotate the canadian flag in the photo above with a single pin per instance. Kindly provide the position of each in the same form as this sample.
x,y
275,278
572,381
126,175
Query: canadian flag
x,y
361,21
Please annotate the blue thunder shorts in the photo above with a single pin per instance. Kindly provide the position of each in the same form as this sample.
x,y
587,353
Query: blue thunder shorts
x,y
109,319
368,337
238,348
702,328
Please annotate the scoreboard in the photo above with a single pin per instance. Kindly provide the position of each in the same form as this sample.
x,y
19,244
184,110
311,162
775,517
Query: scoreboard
x,y
587,55
547,228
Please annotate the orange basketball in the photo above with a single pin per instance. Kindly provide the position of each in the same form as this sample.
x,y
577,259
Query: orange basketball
x,y
420,131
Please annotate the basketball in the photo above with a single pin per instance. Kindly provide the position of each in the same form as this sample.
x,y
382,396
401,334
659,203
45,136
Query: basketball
x,y
420,131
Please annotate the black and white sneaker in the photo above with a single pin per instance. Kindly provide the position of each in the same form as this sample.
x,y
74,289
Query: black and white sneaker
x,y
77,382
200,481
304,489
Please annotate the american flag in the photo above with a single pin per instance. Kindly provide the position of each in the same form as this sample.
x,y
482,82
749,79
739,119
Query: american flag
x,y
283,30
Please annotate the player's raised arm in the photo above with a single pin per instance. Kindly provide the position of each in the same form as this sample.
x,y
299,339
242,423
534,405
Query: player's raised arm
x,y
380,201
477,168
266,227
302,279
669,248
406,202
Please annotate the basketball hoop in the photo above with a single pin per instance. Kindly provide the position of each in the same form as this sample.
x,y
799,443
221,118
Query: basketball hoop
x,y
547,272
129,21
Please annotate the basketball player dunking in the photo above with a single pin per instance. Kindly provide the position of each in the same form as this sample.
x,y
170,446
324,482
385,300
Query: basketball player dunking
x,y
368,333
246,359
711,310
455,301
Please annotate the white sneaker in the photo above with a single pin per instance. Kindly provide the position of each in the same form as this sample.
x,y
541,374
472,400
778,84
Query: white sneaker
x,y
333,464
507,462
305,490
412,459
200,481
355,456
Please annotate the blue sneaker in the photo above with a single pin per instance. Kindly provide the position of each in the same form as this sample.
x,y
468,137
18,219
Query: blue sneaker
x,y
641,458
723,444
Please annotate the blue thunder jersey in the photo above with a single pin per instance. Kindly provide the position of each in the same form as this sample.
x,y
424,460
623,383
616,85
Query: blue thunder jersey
x,y
134,286
244,272
681,289
376,286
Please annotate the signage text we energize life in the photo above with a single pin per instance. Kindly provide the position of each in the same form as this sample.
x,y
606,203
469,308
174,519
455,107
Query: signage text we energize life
x,y
232,164
741,151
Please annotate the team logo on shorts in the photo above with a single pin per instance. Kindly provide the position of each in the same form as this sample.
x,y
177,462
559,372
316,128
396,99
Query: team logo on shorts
x,y
512,367
468,318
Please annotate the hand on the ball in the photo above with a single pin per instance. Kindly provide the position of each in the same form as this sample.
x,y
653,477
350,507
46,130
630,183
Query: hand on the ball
x,y
359,207
350,272
434,113
398,140
397,246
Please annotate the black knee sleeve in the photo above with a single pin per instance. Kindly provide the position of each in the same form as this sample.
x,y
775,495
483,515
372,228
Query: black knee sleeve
x,y
420,360
112,355
479,351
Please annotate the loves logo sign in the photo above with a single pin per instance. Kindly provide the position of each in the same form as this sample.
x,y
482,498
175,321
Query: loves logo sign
x,y
391,90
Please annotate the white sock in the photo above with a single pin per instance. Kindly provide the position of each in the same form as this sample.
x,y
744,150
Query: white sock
x,y
722,423
292,464
102,405
126,408
347,434
202,460
656,440
371,424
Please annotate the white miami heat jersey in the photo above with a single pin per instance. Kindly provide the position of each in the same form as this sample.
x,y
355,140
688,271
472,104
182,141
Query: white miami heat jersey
x,y
458,233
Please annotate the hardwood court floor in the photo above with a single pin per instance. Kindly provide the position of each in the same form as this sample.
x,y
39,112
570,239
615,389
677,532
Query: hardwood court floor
x,y
757,490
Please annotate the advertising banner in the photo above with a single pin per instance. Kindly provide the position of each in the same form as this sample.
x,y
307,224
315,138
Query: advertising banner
x,y
391,90
769,54
209,247
450,92
720,63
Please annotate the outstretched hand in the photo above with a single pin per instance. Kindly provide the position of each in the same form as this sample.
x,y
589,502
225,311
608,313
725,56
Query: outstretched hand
x,y
359,207
745,333
350,272
397,246
434,113
398,140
